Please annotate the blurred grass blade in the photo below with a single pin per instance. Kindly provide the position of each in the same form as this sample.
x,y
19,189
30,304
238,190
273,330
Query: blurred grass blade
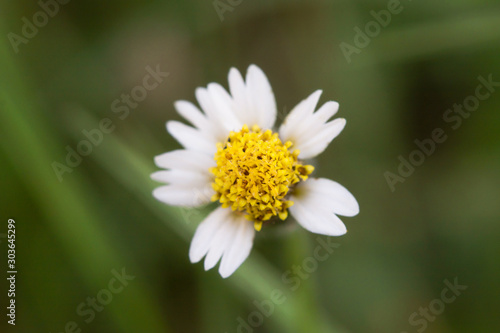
x,y
30,143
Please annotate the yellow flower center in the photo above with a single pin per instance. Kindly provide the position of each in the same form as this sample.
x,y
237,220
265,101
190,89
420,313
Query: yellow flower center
x,y
254,173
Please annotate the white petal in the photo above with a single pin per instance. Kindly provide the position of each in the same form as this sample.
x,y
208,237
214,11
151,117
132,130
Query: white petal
x,y
317,221
207,103
191,113
186,159
312,124
190,138
187,196
295,119
182,177
307,130
236,84
261,97
221,241
224,104
315,144
333,195
238,92
239,249
223,234
189,178
206,232
315,203
325,112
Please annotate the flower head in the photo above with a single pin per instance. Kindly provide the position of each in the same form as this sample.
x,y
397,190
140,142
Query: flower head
x,y
233,156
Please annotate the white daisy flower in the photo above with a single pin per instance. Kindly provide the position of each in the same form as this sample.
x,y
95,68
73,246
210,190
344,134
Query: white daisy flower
x,y
232,155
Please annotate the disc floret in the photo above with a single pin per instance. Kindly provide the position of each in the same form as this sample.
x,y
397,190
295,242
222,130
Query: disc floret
x,y
255,172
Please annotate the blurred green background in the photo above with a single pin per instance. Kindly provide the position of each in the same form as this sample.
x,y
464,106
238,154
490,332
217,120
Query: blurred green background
x,y
441,223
